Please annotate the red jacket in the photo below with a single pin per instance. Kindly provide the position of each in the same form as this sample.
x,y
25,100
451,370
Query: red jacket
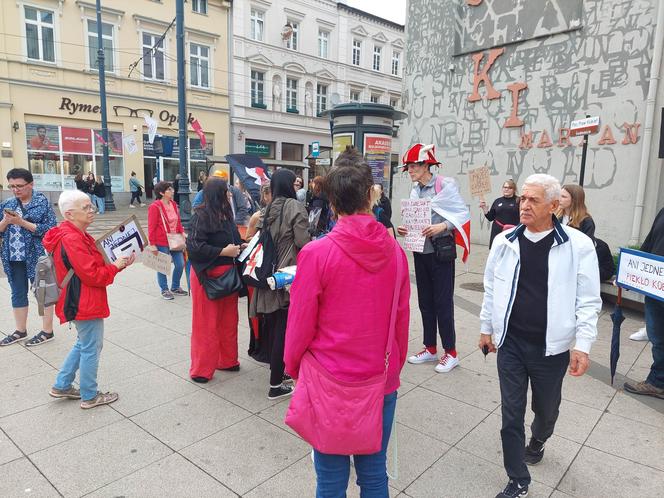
x,y
156,232
84,297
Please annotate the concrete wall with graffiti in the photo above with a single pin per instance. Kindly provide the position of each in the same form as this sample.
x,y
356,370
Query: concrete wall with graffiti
x,y
509,106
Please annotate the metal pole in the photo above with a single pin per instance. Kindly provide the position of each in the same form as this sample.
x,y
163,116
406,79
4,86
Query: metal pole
x,y
584,151
183,191
110,204
583,159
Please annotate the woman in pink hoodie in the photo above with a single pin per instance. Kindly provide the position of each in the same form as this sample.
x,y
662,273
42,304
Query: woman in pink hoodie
x,y
340,309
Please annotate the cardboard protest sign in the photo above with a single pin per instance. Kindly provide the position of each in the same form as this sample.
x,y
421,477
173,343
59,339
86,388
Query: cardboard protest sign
x,y
122,240
641,272
479,181
159,262
415,216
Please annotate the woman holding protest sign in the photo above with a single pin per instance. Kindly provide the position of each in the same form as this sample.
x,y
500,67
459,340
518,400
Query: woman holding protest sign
x,y
213,244
504,212
166,234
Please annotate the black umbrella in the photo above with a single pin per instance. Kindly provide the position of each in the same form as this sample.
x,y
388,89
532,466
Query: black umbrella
x,y
617,318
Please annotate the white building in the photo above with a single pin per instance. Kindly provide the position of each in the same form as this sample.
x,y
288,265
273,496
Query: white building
x,y
293,59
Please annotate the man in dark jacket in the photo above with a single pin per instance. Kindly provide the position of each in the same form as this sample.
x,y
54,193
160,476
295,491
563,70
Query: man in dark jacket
x,y
654,383
83,299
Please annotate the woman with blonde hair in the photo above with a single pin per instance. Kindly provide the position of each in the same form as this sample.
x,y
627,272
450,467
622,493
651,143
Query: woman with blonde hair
x,y
573,211
378,209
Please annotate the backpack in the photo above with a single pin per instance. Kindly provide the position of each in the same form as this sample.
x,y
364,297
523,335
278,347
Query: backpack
x,y
263,260
45,286
607,267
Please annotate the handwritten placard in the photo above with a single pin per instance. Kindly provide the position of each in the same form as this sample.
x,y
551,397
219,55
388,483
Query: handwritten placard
x,y
122,240
479,180
159,262
415,216
641,272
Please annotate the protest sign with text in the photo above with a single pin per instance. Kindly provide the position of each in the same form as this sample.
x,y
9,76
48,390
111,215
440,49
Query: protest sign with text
x,y
415,216
122,240
641,272
159,262
479,181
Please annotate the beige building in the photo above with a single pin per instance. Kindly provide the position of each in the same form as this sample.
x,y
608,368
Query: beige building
x,y
50,117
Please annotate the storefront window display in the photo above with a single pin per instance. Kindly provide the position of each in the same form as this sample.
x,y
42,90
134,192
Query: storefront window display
x,y
162,156
71,151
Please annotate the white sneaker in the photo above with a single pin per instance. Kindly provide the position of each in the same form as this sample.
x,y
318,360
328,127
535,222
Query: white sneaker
x,y
447,362
132,206
422,357
142,205
639,335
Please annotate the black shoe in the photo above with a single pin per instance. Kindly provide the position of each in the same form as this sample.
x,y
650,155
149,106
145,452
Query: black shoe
x,y
534,452
200,380
513,490
287,379
234,368
280,391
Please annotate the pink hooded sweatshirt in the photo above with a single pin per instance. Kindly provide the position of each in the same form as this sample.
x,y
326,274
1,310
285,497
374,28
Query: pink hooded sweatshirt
x,y
341,302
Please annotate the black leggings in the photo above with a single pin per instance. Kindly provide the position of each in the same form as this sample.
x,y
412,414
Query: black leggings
x,y
274,326
135,196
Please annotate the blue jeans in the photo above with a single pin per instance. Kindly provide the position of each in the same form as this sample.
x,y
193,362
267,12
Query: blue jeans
x,y
19,284
84,356
655,328
333,471
178,261
100,202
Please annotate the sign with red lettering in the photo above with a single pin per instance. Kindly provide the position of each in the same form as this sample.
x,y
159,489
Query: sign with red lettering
x,y
584,126
377,150
641,272
77,140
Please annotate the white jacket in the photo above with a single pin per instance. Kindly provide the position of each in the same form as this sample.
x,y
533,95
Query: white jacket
x,y
573,300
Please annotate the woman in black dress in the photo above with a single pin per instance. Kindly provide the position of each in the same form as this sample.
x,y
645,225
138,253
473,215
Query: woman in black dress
x,y
504,210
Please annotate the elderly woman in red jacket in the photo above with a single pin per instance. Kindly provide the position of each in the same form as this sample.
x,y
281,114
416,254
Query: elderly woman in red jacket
x,y
83,299
164,219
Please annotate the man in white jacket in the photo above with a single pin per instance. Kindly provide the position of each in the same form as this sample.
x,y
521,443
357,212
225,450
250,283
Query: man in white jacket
x,y
541,299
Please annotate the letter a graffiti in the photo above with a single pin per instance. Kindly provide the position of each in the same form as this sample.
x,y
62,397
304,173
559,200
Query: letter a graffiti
x,y
483,76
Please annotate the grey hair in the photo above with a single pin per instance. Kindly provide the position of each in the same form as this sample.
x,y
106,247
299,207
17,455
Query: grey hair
x,y
550,184
68,200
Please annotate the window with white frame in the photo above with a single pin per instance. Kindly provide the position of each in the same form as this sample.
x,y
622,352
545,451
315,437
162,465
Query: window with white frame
x,y
357,52
257,89
199,65
375,98
354,95
257,24
323,43
396,62
154,67
321,98
39,34
394,102
93,45
292,41
199,6
376,57
291,95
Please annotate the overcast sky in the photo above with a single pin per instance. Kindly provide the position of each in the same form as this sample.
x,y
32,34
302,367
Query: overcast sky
x,y
394,10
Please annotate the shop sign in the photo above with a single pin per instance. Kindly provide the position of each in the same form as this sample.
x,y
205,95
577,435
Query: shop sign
x,y
76,140
259,149
72,108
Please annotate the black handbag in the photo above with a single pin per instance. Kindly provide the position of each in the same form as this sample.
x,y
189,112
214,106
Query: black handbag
x,y
444,249
224,285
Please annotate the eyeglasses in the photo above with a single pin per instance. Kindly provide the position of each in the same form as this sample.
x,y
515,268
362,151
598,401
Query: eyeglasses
x,y
89,208
18,187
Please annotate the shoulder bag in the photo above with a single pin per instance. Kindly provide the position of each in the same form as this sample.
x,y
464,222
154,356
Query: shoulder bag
x,y
342,417
176,240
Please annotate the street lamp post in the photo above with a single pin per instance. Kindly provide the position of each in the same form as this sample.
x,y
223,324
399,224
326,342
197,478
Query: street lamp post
x,y
110,204
183,191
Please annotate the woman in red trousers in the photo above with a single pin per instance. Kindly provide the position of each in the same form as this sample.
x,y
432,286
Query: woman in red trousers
x,y
213,244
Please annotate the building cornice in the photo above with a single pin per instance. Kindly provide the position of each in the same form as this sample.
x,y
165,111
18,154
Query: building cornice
x,y
366,15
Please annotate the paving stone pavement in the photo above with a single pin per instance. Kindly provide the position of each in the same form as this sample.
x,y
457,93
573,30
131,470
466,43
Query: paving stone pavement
x,y
169,437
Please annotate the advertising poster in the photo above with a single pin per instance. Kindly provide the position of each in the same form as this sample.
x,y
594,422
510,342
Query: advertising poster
x,y
377,150
42,137
77,140
340,142
114,143
415,216
122,240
